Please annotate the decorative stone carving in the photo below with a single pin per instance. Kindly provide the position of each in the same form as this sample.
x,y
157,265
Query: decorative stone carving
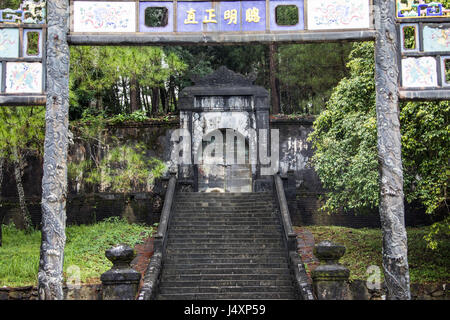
x,y
121,282
395,253
330,278
223,100
54,181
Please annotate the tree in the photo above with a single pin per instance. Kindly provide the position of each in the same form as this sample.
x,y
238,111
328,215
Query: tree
x,y
345,139
113,80
21,134
274,85
308,73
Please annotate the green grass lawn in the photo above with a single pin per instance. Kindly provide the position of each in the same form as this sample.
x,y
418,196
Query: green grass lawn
x,y
364,249
85,248
86,245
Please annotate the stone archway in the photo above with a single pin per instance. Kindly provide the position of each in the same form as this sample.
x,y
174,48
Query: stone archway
x,y
224,100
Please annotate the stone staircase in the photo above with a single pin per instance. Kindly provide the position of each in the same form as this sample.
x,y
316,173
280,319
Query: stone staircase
x,y
225,246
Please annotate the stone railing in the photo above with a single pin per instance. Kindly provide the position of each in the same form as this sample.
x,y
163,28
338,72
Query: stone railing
x,y
153,273
295,263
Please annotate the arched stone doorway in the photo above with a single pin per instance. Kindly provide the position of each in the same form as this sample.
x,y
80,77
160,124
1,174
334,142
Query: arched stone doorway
x,y
224,162
222,101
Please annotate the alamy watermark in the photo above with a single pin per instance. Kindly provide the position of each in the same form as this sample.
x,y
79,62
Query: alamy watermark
x,y
227,147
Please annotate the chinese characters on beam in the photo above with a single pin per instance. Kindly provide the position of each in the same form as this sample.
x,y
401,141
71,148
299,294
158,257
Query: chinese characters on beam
x,y
230,16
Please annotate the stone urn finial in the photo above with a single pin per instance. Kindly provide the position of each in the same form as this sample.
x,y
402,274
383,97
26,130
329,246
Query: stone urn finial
x,y
330,277
121,256
121,282
329,252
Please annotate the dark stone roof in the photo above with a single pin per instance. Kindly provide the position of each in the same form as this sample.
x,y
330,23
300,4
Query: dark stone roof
x,y
223,82
224,77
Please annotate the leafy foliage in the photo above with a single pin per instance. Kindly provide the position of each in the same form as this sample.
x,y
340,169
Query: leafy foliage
x,y
125,168
426,147
102,78
21,128
111,165
308,73
364,246
345,139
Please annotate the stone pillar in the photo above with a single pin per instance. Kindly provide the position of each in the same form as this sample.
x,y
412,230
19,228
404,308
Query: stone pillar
x,y
121,282
330,278
54,180
391,206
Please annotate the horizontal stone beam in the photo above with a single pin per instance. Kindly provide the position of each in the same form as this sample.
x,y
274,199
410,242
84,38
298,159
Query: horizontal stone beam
x,y
217,38
23,100
419,95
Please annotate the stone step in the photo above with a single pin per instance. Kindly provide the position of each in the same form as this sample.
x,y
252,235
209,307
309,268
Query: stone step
x,y
223,270
217,235
195,265
255,260
224,194
242,283
243,250
223,211
247,242
223,256
224,215
225,241
225,289
224,204
229,296
230,246
222,223
245,221
225,246
284,276
248,228
230,200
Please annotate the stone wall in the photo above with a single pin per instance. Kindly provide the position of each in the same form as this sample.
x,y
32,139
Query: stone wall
x,y
83,292
357,290
302,185
304,189
84,207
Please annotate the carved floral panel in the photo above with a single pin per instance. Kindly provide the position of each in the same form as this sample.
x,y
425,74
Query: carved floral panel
x,y
419,72
97,16
23,77
338,14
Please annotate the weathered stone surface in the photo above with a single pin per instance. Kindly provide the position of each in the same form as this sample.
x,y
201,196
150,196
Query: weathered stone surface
x,y
223,100
391,206
329,252
330,277
54,181
121,282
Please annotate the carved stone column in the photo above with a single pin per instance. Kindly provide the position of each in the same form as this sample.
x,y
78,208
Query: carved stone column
x,y
395,258
54,181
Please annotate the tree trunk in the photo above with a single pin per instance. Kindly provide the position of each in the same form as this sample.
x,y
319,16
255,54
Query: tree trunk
x,y
54,180
163,95
143,99
173,98
124,92
134,95
395,249
155,100
274,90
23,204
